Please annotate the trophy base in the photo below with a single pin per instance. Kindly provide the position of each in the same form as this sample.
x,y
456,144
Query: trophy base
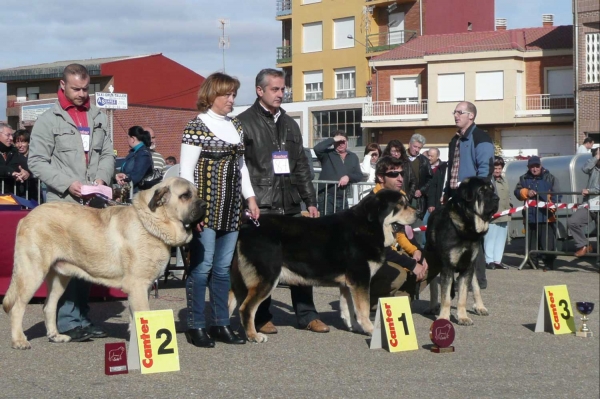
x,y
587,334
437,349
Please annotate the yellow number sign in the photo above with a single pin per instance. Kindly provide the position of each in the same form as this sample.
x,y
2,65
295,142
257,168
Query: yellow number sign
x,y
555,313
156,341
399,332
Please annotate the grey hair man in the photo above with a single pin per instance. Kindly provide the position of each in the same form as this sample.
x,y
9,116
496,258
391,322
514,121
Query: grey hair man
x,y
268,129
422,172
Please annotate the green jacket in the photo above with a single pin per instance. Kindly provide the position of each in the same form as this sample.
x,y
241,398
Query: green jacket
x,y
56,153
503,192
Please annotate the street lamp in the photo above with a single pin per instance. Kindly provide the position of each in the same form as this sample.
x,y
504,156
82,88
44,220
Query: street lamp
x,y
352,37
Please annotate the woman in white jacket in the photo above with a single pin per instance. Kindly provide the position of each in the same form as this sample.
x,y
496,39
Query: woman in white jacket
x,y
367,167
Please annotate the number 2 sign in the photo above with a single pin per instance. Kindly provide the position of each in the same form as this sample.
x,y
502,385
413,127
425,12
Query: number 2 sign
x,y
156,342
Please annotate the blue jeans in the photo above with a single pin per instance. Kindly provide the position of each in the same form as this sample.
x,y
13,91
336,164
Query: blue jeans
x,y
73,307
330,199
423,233
211,253
494,242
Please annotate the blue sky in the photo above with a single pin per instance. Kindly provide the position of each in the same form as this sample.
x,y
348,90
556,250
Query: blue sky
x,y
186,31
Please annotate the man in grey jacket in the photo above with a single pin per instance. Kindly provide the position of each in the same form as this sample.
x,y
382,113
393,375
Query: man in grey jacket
x,y
70,147
581,217
337,164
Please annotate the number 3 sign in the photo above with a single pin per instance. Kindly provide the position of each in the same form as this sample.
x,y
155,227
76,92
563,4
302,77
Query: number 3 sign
x,y
153,344
555,313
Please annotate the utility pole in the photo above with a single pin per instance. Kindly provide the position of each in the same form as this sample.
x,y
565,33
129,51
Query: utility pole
x,y
223,39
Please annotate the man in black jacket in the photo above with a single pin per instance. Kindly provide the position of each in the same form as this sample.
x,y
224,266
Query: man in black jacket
x,y
280,175
422,172
13,165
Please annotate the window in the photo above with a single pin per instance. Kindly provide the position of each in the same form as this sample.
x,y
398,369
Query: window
x,y
405,90
489,85
592,58
312,37
345,83
21,94
560,81
313,85
93,88
342,28
325,123
451,87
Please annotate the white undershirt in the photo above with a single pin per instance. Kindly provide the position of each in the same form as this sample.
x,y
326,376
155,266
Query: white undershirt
x,y
221,127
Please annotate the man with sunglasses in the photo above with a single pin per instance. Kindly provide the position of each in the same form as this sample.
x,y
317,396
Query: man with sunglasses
x,y
470,153
340,165
542,226
404,260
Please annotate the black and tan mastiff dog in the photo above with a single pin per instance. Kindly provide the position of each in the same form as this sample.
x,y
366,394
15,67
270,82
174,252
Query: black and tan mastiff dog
x,y
341,250
125,247
454,234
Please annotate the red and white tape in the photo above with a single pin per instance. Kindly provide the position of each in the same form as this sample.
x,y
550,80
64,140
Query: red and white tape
x,y
532,203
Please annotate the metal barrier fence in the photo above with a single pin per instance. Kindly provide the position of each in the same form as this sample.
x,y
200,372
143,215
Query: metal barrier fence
x,y
552,237
32,189
332,198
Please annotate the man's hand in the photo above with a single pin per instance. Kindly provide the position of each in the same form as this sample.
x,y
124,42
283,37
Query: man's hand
x,y
417,255
75,189
313,212
420,271
343,181
339,138
418,194
431,209
531,193
21,175
585,191
120,178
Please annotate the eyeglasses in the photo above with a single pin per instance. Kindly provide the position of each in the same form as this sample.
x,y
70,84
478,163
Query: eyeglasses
x,y
393,174
460,112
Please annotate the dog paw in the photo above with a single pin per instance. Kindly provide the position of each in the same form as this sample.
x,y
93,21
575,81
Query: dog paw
x,y
258,338
21,344
481,311
465,321
59,338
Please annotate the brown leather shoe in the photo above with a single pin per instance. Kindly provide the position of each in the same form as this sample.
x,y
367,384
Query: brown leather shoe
x,y
581,251
317,326
268,328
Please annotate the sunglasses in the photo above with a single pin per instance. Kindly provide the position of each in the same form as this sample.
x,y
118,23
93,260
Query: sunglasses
x,y
393,174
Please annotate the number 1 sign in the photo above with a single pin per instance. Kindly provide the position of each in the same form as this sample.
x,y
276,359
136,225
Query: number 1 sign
x,y
153,344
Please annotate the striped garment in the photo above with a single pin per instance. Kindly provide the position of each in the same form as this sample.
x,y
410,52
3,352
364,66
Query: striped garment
x,y
158,160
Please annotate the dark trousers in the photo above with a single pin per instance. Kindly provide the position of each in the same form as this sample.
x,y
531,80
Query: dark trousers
x,y
542,236
302,301
480,266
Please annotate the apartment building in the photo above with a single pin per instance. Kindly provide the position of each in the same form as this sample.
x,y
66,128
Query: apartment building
x,y
587,66
327,45
521,81
161,94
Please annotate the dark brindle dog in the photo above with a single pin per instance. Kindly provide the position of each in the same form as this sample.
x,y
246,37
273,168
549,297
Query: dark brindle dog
x,y
344,249
454,234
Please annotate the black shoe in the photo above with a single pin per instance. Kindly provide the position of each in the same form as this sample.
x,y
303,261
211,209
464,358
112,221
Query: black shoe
x,y
95,331
198,337
490,266
224,334
500,266
78,334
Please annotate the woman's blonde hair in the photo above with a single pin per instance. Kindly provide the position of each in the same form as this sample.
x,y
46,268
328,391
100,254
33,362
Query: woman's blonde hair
x,y
214,86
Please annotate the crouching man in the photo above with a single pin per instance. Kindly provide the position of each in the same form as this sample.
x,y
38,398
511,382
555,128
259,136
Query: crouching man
x,y
404,260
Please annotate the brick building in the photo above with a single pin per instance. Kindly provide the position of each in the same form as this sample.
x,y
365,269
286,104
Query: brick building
x,y
161,94
521,81
587,64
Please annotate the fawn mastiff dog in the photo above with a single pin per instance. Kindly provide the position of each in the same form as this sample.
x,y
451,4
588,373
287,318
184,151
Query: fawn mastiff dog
x,y
125,247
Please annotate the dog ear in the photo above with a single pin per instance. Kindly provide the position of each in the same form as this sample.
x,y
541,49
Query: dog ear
x,y
159,198
466,191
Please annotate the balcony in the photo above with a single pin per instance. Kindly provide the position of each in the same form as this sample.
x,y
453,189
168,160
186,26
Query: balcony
x,y
284,7
544,104
388,40
379,111
284,54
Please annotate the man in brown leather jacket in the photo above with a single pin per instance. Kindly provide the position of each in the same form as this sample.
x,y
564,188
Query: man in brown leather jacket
x,y
272,137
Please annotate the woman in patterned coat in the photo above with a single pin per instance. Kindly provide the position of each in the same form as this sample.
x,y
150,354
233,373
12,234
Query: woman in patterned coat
x,y
212,157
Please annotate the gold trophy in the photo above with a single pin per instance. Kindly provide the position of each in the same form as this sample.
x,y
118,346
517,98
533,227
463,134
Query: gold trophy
x,y
584,308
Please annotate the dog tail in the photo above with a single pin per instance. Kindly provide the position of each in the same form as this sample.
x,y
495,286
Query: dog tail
x,y
9,298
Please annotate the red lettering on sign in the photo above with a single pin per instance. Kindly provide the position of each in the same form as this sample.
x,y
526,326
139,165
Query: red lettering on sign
x,y
390,321
147,362
554,311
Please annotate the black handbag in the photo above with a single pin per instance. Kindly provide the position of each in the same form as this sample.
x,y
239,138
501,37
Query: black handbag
x,y
151,179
